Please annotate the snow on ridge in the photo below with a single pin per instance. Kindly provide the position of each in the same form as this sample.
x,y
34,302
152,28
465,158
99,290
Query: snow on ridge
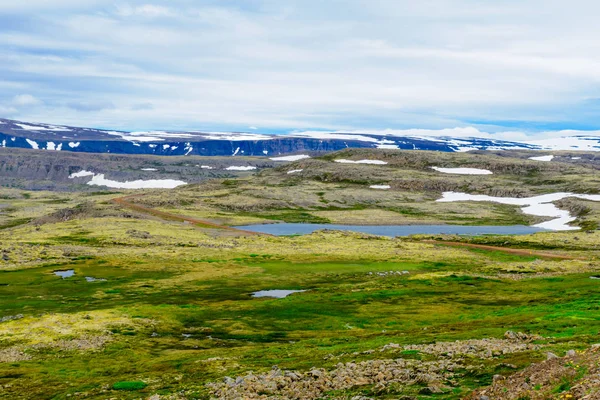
x,y
380,187
290,158
576,143
27,127
81,174
294,171
240,168
542,158
540,206
100,180
374,162
206,167
463,171
33,144
149,169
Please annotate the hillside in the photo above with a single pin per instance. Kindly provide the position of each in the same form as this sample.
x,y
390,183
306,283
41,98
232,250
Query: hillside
x,y
323,190
16,134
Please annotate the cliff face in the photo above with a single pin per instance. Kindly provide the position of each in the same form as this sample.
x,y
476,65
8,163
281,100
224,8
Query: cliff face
x,y
51,170
15,134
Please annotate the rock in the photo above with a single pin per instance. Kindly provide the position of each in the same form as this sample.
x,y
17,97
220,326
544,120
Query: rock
x,y
229,381
571,353
498,378
510,335
483,397
550,356
430,390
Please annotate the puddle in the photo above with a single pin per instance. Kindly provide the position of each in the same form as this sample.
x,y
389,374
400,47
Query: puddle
x,y
277,293
92,279
65,273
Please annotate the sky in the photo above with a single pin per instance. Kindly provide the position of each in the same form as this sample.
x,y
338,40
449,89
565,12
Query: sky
x,y
526,66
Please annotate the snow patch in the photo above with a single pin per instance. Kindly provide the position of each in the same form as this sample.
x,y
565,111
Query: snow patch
x,y
463,171
380,187
81,174
74,144
43,128
290,158
149,169
294,171
100,180
237,168
33,144
236,151
50,146
540,206
4,143
542,158
206,167
374,162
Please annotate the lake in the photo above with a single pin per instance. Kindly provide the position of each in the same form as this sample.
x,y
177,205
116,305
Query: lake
x,y
284,229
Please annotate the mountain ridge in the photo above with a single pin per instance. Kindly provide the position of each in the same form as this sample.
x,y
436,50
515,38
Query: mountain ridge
x,y
51,137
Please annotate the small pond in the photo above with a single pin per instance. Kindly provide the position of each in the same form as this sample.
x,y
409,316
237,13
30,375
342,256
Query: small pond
x,y
276,293
92,279
284,229
65,273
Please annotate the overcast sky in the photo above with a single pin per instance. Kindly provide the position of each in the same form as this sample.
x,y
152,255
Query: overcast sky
x,y
284,65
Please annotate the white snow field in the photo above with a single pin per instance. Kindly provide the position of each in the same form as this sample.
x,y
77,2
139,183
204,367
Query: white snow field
x,y
463,171
374,162
81,174
380,187
239,168
542,158
290,158
540,206
100,180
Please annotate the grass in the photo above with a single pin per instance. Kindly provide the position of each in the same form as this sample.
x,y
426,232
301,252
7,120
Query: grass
x,y
175,312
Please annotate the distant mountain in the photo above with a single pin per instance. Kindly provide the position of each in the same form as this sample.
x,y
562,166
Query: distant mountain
x,y
66,138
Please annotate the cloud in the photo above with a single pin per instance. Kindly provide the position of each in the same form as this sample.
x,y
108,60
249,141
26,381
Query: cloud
x,y
351,65
145,10
25,100
142,107
91,106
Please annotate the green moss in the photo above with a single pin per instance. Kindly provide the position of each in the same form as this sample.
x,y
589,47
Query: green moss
x,y
130,385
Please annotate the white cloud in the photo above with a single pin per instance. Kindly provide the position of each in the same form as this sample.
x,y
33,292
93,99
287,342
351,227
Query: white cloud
x,y
306,64
26,100
145,10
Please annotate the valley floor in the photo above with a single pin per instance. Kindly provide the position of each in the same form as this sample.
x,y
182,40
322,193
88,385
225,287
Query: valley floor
x,y
101,300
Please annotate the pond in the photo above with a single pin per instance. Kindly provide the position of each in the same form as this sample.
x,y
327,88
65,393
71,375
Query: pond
x,y
284,229
277,293
65,273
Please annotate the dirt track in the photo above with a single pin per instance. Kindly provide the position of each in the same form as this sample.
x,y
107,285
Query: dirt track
x,y
124,201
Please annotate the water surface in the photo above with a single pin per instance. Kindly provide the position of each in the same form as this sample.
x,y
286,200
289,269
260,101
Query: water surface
x,y
65,273
277,293
283,229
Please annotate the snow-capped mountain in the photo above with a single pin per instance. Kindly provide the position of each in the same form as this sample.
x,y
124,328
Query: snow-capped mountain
x,y
66,138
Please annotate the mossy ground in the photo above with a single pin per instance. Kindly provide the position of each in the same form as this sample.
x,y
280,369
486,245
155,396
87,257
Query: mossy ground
x,y
172,306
